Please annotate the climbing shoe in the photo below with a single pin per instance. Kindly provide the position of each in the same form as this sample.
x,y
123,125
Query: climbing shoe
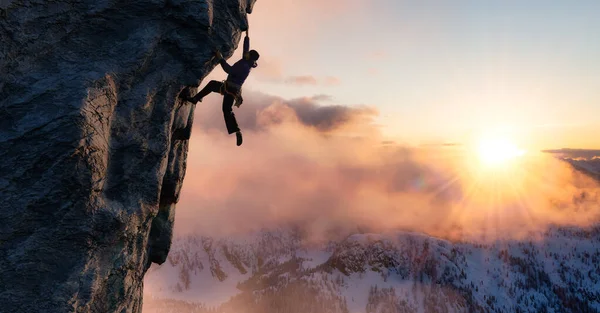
x,y
238,136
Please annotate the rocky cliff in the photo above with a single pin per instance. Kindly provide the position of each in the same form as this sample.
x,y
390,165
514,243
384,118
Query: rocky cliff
x,y
93,142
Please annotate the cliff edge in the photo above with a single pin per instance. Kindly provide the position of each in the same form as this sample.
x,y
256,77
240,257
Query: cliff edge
x,y
93,142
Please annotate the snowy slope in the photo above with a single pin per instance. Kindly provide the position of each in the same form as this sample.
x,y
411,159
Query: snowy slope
x,y
207,270
401,272
590,167
587,161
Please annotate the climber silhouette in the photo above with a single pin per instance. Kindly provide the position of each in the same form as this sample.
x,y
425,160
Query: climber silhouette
x,y
231,89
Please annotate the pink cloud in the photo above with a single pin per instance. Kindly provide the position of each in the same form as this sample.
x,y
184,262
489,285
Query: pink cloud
x,y
301,80
321,97
378,55
331,81
261,111
328,167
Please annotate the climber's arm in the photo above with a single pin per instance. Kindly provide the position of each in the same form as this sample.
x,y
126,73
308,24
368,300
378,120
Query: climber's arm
x,y
226,67
246,43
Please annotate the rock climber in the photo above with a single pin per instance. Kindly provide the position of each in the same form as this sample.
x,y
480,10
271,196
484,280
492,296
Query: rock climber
x,y
231,88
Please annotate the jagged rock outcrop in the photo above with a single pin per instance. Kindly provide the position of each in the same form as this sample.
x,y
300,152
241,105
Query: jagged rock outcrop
x,y
93,142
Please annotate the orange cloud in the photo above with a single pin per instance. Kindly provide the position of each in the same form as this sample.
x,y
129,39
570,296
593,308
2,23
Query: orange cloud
x,y
328,168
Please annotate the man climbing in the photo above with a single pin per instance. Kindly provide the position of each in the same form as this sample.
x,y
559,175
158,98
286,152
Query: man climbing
x,y
231,89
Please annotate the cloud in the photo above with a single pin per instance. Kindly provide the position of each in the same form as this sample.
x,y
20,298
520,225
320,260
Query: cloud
x,y
331,81
585,154
321,97
441,144
330,117
329,169
259,112
304,80
378,55
301,80
272,70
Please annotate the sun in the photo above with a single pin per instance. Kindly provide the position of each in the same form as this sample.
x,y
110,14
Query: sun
x,y
497,151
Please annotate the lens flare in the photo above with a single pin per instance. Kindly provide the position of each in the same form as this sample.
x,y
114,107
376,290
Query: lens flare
x,y
496,151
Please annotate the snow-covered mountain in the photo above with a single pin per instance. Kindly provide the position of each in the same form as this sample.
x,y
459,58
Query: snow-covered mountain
x,y
555,270
587,161
403,272
590,167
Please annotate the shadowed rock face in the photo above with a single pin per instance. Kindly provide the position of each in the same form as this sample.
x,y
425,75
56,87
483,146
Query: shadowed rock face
x,y
93,142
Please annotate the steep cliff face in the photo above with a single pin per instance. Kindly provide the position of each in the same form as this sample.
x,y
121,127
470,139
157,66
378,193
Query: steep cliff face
x,y
93,142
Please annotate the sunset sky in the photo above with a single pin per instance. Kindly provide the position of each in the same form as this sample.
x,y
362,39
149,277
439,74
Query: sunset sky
x,y
343,118
440,71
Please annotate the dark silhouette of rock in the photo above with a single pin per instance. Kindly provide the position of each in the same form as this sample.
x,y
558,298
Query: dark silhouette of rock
x,y
93,142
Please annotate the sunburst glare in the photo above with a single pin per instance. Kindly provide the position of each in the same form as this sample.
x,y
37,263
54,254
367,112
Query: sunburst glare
x,y
508,191
496,151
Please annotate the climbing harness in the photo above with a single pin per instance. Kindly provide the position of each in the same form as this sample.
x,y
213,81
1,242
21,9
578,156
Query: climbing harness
x,y
236,93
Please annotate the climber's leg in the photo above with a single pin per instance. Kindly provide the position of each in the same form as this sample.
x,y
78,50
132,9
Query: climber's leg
x,y
230,120
212,86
